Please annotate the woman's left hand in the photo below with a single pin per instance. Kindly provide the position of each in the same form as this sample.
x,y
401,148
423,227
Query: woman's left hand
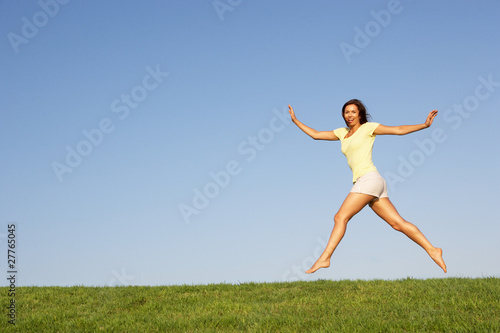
x,y
430,118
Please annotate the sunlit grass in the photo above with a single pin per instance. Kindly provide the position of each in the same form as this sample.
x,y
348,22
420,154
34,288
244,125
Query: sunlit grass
x,y
410,305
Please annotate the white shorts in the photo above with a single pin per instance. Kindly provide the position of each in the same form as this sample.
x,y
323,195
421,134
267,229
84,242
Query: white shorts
x,y
371,183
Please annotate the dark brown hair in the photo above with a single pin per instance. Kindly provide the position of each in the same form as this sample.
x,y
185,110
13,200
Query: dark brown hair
x,y
361,108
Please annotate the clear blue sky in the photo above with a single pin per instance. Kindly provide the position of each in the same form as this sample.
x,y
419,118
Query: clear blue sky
x,y
147,143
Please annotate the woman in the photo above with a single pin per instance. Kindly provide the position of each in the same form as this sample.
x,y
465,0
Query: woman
x,y
369,187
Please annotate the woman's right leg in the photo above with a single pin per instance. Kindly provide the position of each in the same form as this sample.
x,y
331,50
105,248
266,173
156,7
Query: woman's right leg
x,y
352,204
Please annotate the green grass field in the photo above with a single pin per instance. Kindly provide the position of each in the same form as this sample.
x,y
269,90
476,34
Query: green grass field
x,y
409,305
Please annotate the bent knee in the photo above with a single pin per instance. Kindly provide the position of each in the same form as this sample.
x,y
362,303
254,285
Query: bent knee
x,y
340,219
398,225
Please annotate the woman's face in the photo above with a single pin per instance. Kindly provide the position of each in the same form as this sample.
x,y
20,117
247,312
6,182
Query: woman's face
x,y
351,115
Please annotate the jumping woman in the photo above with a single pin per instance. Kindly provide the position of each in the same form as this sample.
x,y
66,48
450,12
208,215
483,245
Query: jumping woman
x,y
369,186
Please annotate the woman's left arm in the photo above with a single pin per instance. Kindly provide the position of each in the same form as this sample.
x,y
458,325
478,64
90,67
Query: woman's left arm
x,y
405,129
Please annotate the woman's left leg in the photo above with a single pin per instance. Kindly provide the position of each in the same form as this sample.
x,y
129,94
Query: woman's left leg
x,y
384,208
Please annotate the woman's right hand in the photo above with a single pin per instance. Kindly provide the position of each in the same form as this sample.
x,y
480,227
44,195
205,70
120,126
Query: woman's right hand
x,y
290,110
316,135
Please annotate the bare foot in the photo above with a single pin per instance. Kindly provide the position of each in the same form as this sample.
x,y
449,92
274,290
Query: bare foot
x,y
318,264
437,256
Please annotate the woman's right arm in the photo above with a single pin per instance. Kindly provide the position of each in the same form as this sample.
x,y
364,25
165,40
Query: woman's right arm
x,y
316,135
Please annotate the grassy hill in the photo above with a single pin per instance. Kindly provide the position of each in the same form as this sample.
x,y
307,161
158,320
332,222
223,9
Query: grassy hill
x,y
410,305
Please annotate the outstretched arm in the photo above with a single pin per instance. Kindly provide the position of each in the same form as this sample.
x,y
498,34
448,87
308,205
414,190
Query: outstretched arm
x,y
405,129
316,135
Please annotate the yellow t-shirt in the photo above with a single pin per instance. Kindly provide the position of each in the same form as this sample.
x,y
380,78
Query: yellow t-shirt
x,y
358,148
